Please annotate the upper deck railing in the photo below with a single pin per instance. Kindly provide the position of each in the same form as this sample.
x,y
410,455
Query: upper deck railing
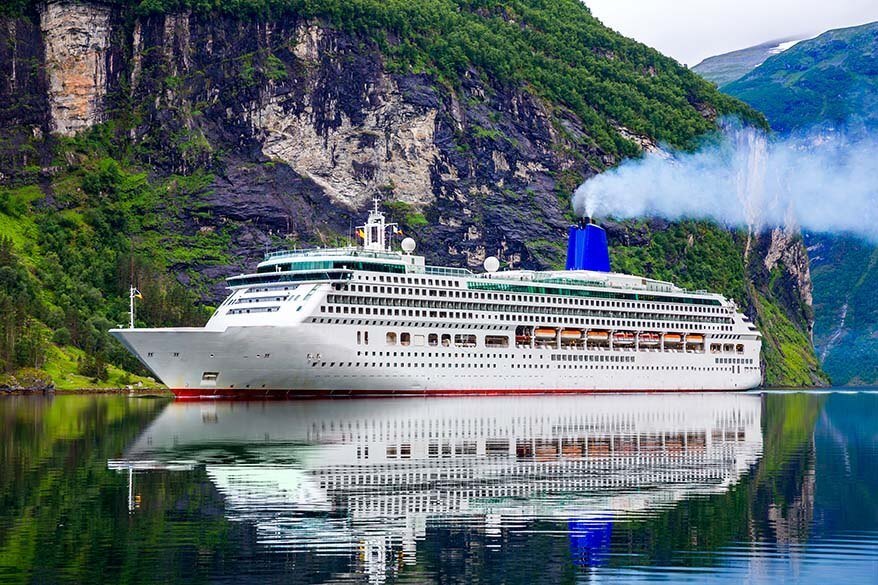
x,y
346,251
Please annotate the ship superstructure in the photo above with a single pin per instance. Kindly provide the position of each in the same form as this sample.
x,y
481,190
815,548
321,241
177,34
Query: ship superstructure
x,y
369,320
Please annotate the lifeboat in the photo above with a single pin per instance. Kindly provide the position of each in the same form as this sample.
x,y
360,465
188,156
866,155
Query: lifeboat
x,y
673,338
571,334
522,339
695,339
648,339
544,333
598,335
623,338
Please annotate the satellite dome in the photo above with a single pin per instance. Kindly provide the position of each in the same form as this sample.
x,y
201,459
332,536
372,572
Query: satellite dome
x,y
408,245
492,264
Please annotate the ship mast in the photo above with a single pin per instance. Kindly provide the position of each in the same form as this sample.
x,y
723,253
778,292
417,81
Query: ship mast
x,y
132,294
374,233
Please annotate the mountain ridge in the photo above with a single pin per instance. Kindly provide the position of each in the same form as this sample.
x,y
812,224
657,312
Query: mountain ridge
x,y
728,67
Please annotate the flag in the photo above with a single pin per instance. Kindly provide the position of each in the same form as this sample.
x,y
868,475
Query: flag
x,y
137,294
361,234
397,231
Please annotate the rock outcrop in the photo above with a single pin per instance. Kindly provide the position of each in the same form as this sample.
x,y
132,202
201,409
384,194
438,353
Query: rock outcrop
x,y
76,38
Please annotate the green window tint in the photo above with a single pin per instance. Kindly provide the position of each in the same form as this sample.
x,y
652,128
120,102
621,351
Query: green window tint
x,y
329,264
571,292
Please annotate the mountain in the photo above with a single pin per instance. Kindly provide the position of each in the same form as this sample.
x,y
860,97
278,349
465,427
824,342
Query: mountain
x,y
728,67
844,272
830,83
171,142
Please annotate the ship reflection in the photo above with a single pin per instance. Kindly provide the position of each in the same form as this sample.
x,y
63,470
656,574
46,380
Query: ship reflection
x,y
368,478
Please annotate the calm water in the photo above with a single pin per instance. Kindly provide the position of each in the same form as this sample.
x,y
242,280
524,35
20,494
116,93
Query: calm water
x,y
680,488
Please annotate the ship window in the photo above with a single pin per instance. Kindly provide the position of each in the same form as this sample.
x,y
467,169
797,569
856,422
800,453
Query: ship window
x,y
446,340
432,340
405,339
496,341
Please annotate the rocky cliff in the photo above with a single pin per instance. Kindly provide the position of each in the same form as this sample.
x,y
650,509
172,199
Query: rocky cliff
x,y
208,137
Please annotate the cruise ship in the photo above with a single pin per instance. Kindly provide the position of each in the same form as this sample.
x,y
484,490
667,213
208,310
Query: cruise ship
x,y
368,320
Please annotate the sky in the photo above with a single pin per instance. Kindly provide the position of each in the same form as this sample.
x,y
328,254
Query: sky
x,y
691,30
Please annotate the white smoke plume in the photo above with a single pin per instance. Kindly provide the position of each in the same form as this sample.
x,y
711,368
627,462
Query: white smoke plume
x,y
820,182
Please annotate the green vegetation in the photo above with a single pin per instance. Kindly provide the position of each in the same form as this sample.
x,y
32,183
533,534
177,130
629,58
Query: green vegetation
x,y
408,217
789,359
556,48
64,272
844,271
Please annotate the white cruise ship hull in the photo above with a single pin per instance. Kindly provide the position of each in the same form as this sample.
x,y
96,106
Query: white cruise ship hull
x,y
323,360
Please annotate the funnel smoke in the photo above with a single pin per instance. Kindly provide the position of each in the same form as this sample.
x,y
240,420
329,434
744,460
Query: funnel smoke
x,y
822,183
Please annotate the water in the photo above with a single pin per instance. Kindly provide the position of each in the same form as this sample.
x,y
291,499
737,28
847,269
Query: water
x,y
764,488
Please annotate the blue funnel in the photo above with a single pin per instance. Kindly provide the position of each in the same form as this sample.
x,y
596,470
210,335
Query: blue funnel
x,y
587,248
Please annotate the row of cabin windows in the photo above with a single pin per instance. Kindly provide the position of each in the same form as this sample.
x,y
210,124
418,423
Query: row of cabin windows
x,y
726,348
577,292
345,300
405,339
531,299
522,366
444,355
651,368
480,365
253,310
376,311
592,358
466,340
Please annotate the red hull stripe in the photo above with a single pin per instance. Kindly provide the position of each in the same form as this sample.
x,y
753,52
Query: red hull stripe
x,y
285,394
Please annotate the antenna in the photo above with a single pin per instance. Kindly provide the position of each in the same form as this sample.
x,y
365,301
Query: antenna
x,y
131,292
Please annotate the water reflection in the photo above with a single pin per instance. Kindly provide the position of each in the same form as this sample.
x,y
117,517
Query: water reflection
x,y
368,480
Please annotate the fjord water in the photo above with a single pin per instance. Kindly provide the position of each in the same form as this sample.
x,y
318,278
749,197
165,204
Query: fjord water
x,y
673,488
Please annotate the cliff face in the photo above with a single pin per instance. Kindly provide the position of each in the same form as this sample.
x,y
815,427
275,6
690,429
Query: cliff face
x,y
301,126
291,126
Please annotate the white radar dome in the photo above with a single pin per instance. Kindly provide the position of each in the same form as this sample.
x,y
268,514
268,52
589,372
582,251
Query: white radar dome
x,y
492,264
408,245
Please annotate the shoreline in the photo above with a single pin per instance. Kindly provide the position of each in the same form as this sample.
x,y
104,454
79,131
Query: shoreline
x,y
85,391
164,392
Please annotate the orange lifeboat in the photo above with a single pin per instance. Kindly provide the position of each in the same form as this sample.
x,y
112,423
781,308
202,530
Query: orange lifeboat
x,y
544,333
673,338
571,334
598,335
695,339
